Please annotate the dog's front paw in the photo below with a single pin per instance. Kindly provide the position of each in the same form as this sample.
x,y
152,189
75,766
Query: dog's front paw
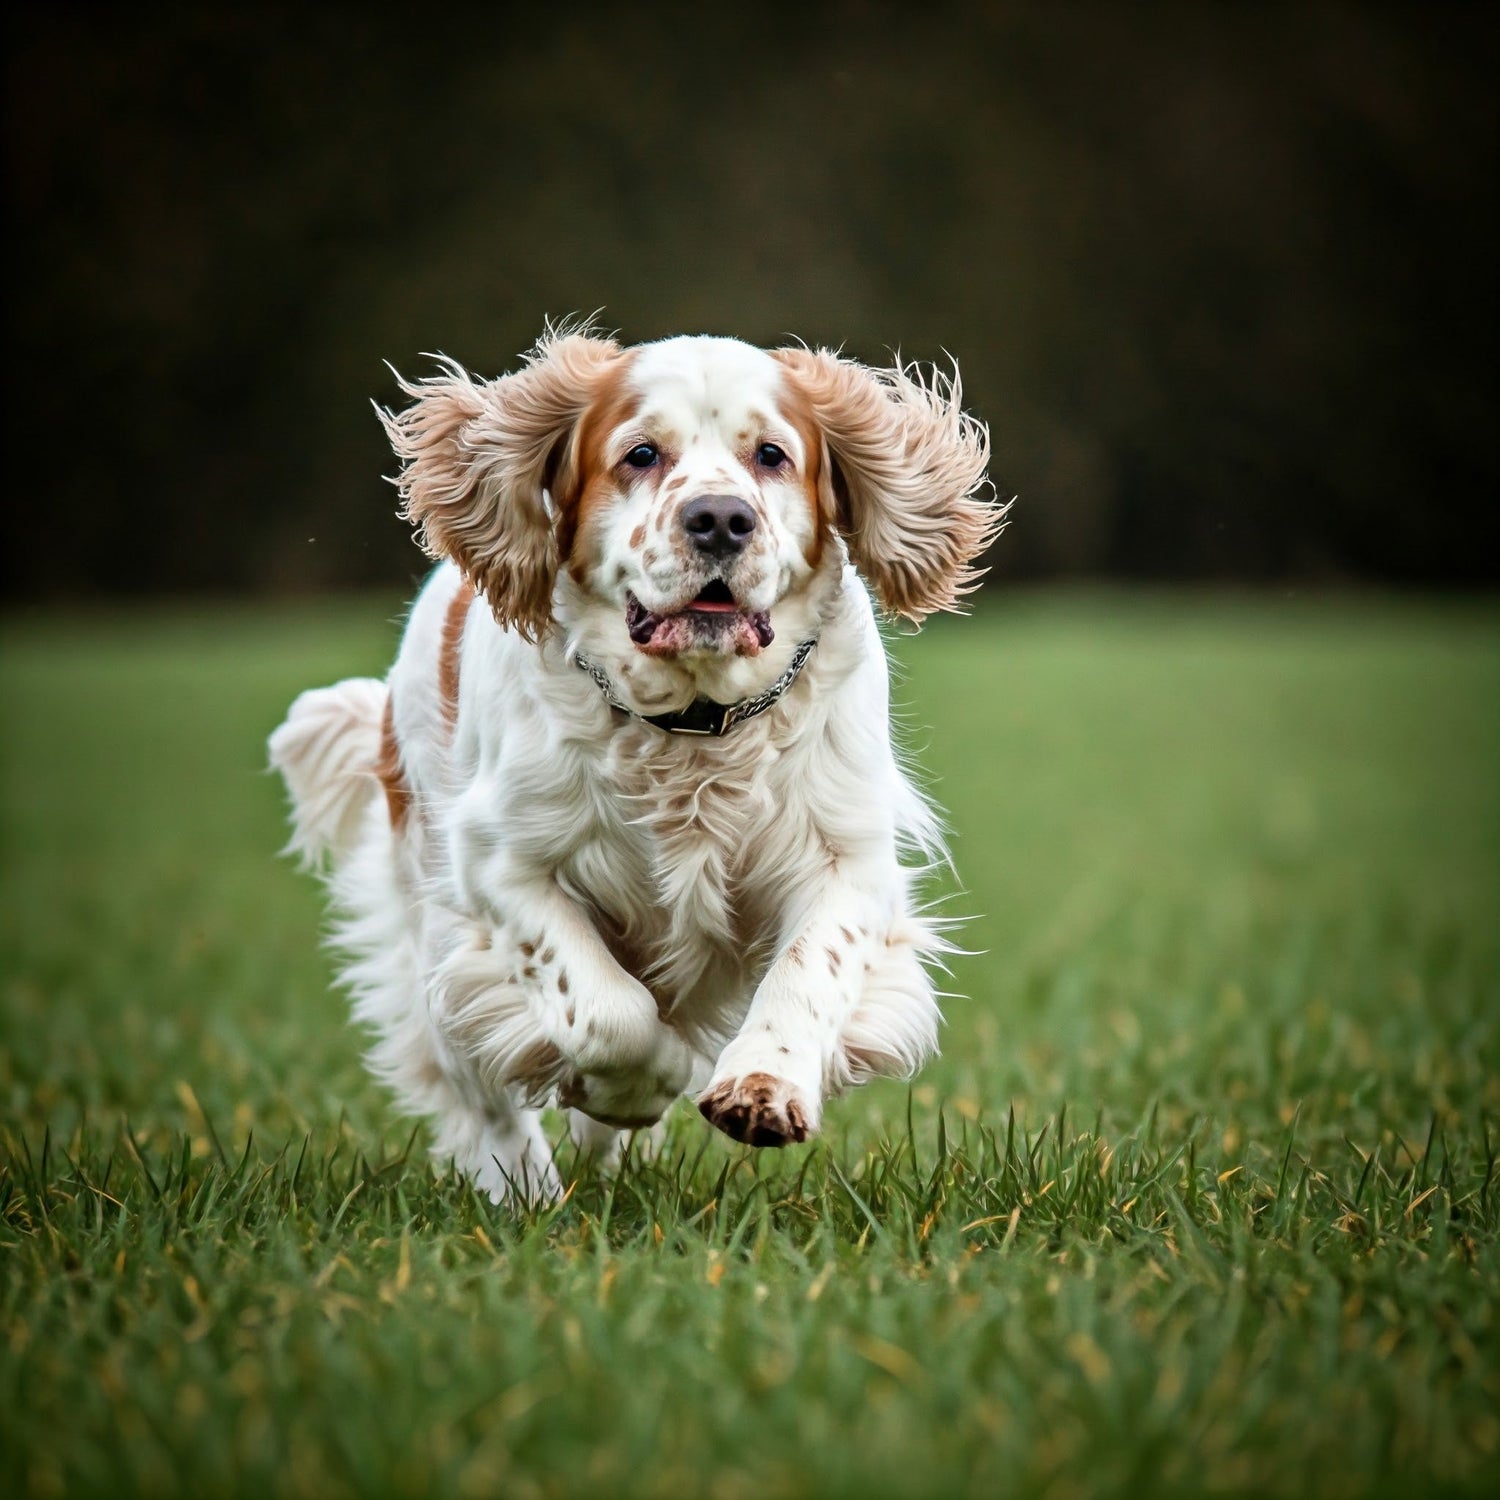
x,y
759,1110
630,1103
634,1088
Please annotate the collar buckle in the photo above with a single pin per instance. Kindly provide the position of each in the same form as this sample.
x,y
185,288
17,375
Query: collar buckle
x,y
705,731
702,718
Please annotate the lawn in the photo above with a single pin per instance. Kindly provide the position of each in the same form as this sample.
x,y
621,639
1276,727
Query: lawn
x,y
1200,1199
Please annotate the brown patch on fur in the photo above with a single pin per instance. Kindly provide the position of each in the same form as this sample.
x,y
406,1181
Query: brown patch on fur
x,y
746,1109
638,536
450,651
796,951
848,936
810,480
562,988
587,481
388,769
528,949
834,960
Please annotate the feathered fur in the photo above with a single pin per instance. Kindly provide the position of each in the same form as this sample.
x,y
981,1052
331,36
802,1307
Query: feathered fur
x,y
907,476
479,457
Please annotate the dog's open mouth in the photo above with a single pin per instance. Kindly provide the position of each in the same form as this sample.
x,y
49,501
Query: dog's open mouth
x,y
711,621
714,599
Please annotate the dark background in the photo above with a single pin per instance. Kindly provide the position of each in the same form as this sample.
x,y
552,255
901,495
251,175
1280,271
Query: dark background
x,y
1220,277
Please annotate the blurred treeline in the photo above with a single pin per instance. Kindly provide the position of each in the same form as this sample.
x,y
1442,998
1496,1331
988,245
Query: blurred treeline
x,y
1220,276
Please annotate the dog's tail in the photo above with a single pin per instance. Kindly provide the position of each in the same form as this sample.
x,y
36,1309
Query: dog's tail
x,y
329,753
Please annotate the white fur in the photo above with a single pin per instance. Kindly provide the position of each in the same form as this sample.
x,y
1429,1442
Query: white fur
x,y
582,909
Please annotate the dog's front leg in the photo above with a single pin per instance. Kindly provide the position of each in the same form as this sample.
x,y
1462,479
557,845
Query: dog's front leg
x,y
622,1064
626,1064
770,1081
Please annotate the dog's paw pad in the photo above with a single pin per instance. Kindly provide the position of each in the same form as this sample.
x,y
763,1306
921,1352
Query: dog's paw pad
x,y
758,1110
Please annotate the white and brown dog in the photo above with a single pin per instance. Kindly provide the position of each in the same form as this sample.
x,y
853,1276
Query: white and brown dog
x,y
642,823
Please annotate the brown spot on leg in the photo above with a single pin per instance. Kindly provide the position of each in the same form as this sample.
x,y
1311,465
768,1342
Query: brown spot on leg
x,y
562,985
583,483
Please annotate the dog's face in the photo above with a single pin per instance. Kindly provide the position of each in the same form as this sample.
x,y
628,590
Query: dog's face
x,y
688,491
694,508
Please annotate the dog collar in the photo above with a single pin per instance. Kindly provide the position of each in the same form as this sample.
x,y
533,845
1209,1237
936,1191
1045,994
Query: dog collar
x,y
703,716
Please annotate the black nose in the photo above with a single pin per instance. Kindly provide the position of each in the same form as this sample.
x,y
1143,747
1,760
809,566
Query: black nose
x,y
718,525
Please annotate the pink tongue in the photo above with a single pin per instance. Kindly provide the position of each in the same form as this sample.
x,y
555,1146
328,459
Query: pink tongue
x,y
711,607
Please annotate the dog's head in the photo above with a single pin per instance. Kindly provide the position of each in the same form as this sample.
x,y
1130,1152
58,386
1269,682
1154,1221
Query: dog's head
x,y
694,487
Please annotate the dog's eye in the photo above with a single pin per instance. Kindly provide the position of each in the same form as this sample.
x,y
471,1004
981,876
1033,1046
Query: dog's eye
x,y
642,456
769,456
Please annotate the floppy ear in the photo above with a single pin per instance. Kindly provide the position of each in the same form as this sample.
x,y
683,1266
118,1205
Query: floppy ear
x,y
477,457
904,477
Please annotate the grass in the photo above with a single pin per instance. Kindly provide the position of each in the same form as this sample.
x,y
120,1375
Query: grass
x,y
1201,1198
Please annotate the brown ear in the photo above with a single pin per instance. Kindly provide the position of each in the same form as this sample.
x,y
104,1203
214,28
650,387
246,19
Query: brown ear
x,y
477,457
908,486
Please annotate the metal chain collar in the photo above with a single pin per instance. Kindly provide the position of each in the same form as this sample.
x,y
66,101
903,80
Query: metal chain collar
x,y
704,716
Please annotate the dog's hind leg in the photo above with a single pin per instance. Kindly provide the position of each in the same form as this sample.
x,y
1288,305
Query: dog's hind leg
x,y
500,1147
604,1145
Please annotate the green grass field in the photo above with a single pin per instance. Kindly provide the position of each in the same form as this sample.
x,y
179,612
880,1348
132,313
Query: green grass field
x,y
1200,1199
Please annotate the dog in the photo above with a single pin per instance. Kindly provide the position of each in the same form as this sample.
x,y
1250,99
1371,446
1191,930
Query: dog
x,y
625,820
